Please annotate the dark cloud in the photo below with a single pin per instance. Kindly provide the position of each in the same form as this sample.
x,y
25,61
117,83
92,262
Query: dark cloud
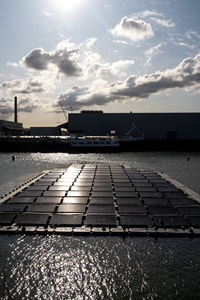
x,y
185,75
37,59
64,58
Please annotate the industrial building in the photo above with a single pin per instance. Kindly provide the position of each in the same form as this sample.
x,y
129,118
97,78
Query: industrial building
x,y
154,126
8,128
47,131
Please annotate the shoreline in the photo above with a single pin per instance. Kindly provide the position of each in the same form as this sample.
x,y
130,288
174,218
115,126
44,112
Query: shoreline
x,y
51,144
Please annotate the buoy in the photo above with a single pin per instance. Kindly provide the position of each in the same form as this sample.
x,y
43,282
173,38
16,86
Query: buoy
x,y
13,158
188,158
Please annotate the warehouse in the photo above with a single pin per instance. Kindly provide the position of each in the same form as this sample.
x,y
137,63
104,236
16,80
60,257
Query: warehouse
x,y
154,126
8,128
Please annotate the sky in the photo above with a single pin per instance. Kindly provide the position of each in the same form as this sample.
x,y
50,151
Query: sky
x,y
63,56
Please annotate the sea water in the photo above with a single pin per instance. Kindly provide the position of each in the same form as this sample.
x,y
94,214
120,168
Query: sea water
x,y
61,267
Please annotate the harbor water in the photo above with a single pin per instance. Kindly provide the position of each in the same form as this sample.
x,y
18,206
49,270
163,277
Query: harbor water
x,y
62,267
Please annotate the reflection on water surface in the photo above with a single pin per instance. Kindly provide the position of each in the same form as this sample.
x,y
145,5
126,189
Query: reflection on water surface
x,y
59,267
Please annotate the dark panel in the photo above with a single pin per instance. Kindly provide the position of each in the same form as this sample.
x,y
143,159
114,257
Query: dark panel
x,y
49,200
133,201
146,189
6,219
66,220
12,207
41,208
131,209
195,221
77,194
174,195
32,219
150,194
47,183
102,189
81,188
29,194
135,220
101,200
156,201
37,188
59,188
71,208
182,201
101,184
162,210
171,221
75,200
102,194
124,189
189,210
167,189
122,184
98,208
21,200
54,194
100,220
126,194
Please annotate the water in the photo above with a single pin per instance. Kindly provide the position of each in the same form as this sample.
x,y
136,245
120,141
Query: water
x,y
61,267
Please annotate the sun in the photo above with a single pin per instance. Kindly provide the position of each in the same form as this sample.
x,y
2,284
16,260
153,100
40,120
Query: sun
x,y
67,5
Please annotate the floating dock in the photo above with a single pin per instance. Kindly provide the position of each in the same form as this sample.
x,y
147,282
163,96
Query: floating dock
x,y
101,199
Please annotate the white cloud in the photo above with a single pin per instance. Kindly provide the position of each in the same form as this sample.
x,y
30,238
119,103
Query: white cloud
x,y
106,70
133,29
190,34
120,42
183,44
151,53
90,42
164,22
148,13
185,75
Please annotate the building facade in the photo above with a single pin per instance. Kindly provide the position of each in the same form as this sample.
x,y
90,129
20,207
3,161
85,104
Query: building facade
x,y
8,128
160,126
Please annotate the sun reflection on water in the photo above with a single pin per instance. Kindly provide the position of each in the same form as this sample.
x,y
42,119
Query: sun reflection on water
x,y
60,267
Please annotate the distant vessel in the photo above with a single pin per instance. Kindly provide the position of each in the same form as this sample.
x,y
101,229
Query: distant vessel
x,y
93,142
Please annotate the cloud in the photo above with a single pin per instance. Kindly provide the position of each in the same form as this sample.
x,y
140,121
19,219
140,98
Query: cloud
x,y
64,57
89,43
24,105
148,13
23,86
190,34
151,53
120,42
164,22
185,75
182,44
105,70
133,29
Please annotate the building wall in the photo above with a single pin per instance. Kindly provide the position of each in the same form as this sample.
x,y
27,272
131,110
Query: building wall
x,y
45,131
10,128
152,125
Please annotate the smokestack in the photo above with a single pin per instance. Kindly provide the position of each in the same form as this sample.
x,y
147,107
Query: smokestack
x,y
15,107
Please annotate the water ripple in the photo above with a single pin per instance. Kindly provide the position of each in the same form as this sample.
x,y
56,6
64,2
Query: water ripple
x,y
59,267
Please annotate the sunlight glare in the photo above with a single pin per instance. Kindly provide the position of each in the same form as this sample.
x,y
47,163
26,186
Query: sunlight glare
x,y
67,5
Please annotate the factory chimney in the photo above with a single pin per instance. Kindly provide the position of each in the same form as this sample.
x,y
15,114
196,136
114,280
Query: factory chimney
x,y
15,109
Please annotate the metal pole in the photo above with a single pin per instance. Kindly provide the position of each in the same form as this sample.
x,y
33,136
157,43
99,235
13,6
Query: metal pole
x,y
15,107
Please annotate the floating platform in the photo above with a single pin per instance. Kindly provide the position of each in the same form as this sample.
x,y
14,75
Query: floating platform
x,y
101,199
